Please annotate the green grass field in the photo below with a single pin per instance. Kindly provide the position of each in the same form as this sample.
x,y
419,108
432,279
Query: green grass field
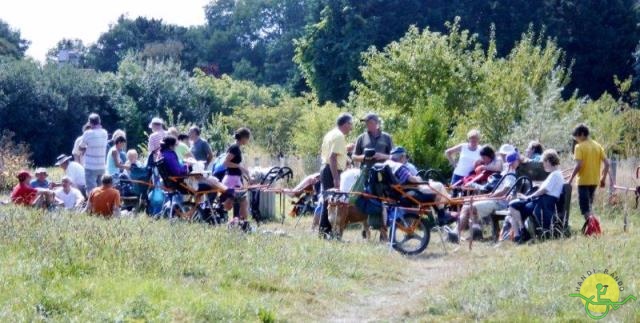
x,y
71,267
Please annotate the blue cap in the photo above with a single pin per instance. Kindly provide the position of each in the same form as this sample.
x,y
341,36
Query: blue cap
x,y
513,157
398,150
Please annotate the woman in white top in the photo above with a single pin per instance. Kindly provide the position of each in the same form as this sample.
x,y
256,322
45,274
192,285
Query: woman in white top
x,y
542,202
469,153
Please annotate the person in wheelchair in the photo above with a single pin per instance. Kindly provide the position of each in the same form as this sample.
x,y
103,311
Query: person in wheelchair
x,y
472,215
179,172
540,203
423,192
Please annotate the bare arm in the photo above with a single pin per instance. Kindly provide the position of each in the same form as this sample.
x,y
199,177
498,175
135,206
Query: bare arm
x,y
229,164
605,172
449,153
116,158
577,168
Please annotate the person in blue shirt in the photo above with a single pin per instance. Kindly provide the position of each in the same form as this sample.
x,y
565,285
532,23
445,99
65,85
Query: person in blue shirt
x,y
41,179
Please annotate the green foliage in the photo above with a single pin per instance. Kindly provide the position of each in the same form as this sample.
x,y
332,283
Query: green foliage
x,y
47,106
314,123
11,42
14,157
329,53
272,127
425,135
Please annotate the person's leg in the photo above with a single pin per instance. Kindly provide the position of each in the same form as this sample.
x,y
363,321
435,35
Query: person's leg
x,y
91,179
585,199
244,208
592,192
463,219
327,183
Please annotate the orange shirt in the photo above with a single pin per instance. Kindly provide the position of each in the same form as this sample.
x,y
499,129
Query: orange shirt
x,y
104,201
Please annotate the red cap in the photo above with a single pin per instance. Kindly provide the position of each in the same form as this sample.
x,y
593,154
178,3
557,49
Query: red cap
x,y
23,174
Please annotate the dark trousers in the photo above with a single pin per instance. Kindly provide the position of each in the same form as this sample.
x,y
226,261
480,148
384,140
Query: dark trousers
x,y
326,178
585,198
543,208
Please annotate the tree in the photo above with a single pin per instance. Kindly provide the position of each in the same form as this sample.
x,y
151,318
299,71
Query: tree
x,y
329,53
73,52
129,35
11,42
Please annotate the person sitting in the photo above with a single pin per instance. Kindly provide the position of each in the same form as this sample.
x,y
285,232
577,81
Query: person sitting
x,y
73,170
23,193
175,169
469,153
182,147
69,196
41,179
542,202
534,152
484,206
104,200
132,159
424,192
484,167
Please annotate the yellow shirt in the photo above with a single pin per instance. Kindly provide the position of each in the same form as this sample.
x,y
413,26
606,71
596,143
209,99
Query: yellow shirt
x,y
591,154
335,142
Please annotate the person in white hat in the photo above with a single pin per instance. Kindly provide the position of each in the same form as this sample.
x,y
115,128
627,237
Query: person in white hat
x,y
157,134
73,170
41,179
69,196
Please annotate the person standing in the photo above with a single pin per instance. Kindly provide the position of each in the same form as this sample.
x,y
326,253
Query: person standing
x,y
234,172
74,171
334,161
95,140
104,200
588,155
373,138
200,149
155,139
469,153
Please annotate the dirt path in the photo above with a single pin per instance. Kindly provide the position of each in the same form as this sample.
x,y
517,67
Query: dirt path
x,y
400,300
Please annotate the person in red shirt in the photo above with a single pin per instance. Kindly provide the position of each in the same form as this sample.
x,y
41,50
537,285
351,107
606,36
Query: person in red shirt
x,y
23,193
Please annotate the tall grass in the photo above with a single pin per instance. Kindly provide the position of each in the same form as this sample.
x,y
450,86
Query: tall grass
x,y
65,266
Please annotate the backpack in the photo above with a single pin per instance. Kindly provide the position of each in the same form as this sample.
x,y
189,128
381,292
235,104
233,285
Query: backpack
x,y
591,227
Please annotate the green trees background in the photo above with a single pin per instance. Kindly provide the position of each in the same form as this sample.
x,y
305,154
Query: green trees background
x,y
286,68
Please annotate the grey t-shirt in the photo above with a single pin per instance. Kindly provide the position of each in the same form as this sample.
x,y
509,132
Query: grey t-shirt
x,y
200,150
382,143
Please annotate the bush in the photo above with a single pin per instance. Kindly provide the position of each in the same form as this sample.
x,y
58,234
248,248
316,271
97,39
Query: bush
x,y
13,158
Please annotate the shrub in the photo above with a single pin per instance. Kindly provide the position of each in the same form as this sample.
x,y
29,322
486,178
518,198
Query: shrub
x,y
13,158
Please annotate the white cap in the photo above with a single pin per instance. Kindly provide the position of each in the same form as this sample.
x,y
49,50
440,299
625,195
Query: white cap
x,y
157,121
506,149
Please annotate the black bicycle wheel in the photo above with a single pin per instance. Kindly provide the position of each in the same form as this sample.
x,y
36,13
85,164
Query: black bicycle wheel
x,y
411,235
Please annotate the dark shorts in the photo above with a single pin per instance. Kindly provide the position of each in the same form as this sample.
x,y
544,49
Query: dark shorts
x,y
585,198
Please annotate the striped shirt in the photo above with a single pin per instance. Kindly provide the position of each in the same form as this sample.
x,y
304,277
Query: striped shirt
x,y
96,141
155,139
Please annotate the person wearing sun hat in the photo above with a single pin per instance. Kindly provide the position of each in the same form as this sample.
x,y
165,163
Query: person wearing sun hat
x,y
73,170
41,179
23,193
155,139
473,215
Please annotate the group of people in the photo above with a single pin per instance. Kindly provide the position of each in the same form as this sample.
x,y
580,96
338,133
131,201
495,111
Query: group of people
x,y
98,162
473,167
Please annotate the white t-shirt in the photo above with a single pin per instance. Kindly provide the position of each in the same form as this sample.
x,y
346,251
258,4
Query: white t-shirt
x,y
75,171
96,142
348,178
70,200
553,184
